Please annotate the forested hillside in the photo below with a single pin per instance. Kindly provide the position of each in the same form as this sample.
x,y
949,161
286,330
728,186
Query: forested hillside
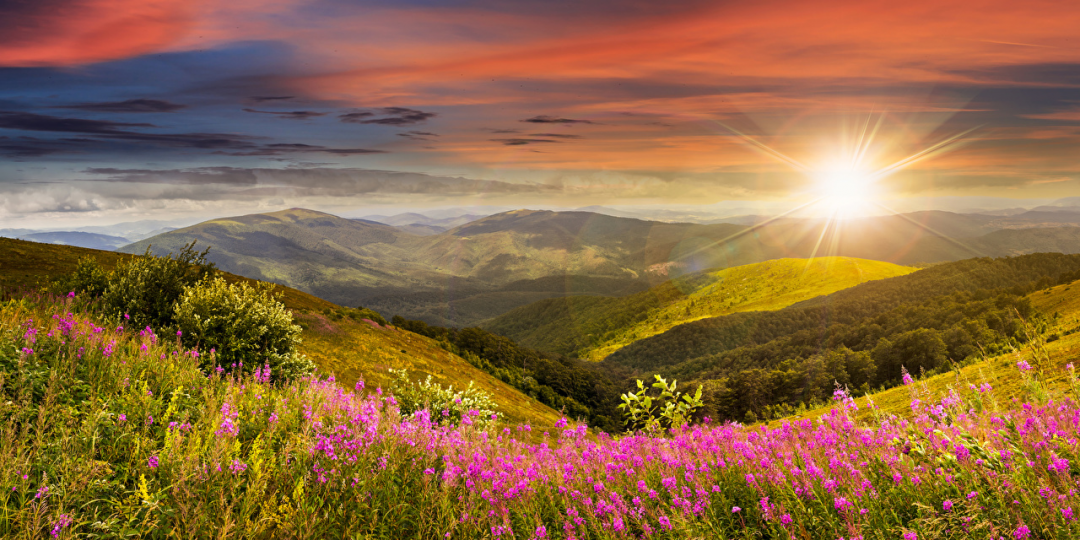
x,y
930,320
592,327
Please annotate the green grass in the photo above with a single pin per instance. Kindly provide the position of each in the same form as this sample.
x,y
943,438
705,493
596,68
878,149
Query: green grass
x,y
347,348
593,328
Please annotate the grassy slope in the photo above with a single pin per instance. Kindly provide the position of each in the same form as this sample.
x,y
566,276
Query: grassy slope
x,y
594,328
764,286
1000,371
347,348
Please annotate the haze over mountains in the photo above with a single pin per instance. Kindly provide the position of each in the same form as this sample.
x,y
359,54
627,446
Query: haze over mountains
x,y
461,270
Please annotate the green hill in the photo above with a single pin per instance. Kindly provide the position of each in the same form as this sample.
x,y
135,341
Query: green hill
x,y
333,337
593,327
933,321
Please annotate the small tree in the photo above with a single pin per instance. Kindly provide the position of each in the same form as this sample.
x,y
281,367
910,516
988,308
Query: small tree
x,y
146,287
671,409
242,324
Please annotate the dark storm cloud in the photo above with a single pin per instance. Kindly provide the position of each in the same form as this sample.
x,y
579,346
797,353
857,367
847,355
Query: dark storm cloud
x,y
290,115
545,119
128,106
391,116
522,142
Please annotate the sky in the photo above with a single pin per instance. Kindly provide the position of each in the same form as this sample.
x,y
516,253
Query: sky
x,y
119,110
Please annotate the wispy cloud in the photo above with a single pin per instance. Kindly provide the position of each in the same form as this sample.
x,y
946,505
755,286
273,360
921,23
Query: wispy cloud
x,y
546,119
128,106
290,115
389,116
522,142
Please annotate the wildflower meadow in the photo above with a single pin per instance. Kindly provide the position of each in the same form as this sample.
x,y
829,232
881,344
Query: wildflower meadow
x,y
115,432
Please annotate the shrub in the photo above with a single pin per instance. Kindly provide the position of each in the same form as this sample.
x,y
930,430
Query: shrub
x,y
146,288
243,325
88,278
446,406
672,408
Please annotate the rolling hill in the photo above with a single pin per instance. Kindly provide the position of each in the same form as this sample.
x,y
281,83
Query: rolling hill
x,y
457,277
593,327
337,342
855,317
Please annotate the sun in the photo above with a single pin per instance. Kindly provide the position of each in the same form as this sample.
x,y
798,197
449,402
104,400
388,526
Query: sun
x,y
845,192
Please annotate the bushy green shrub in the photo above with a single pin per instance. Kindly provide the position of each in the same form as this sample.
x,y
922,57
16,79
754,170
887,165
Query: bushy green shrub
x,y
243,325
88,278
446,406
146,288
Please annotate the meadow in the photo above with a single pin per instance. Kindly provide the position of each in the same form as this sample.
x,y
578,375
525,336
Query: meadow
x,y
109,432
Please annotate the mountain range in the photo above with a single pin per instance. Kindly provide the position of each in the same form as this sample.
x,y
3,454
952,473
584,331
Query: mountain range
x,y
483,268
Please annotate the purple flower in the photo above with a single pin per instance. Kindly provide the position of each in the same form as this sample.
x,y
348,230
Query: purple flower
x,y
910,535
1021,532
541,532
64,521
665,523
947,506
735,509
152,462
1024,367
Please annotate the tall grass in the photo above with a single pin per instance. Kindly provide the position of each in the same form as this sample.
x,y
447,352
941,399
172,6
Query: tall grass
x,y
109,432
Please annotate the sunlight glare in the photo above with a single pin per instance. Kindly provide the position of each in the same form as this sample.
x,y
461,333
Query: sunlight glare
x,y
846,192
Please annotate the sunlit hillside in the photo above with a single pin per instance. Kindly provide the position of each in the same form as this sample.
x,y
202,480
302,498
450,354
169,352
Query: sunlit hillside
x,y
338,343
594,327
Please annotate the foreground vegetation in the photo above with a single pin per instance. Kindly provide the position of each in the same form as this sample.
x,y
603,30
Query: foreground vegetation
x,y
108,432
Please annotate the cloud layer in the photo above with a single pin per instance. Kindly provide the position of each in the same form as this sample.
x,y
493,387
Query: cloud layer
x,y
598,98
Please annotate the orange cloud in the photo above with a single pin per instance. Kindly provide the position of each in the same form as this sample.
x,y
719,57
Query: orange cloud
x,y
52,33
